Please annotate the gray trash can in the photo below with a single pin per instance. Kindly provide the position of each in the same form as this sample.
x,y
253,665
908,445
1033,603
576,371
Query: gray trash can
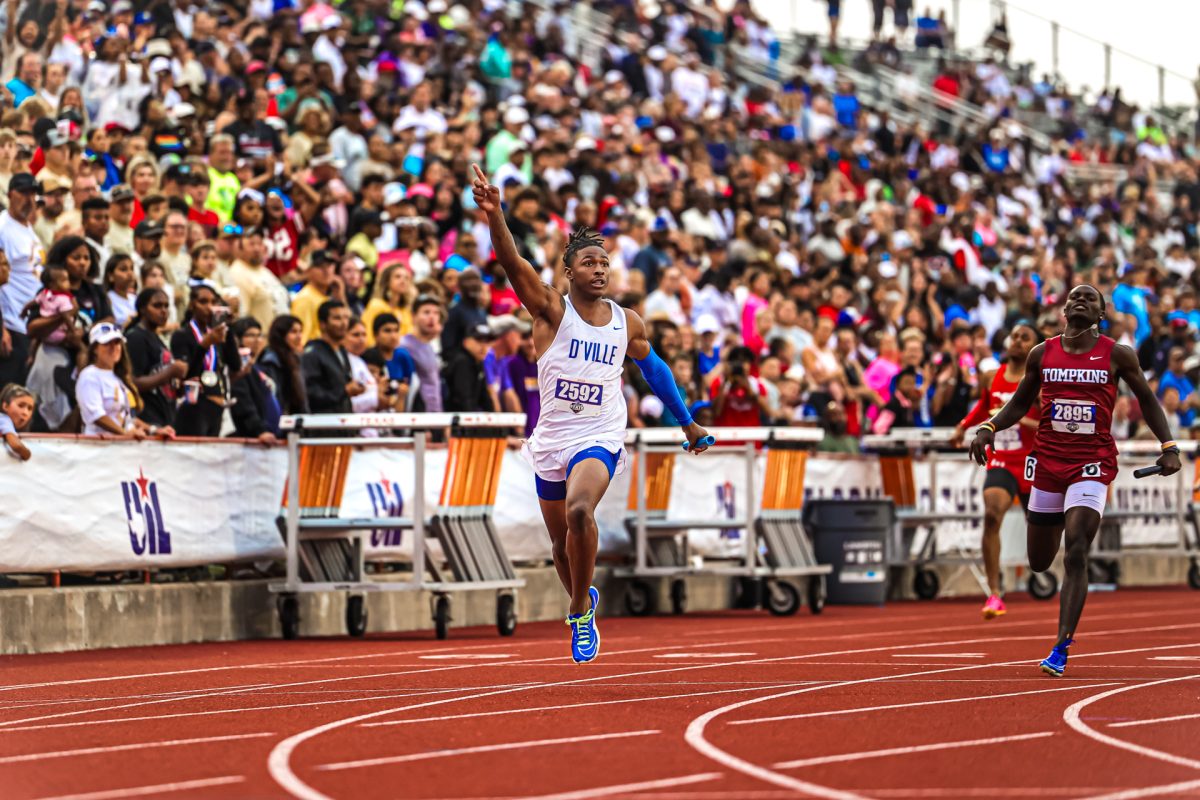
x,y
851,536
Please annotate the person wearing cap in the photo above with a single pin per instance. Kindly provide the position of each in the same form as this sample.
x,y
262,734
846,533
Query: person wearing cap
x,y
204,343
50,219
464,379
147,242
507,331
25,254
499,147
105,392
320,284
655,256
56,147
119,238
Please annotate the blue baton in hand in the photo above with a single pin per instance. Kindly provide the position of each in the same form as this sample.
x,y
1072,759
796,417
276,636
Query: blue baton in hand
x,y
705,441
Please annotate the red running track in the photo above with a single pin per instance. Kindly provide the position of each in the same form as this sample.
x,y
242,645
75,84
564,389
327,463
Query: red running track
x,y
913,700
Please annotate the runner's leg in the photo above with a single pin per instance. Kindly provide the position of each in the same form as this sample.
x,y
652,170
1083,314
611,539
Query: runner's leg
x,y
1044,526
585,486
1082,525
554,513
996,502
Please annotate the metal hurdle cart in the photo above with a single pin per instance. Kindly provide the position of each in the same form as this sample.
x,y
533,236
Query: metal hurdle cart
x,y
325,551
907,547
776,548
1174,501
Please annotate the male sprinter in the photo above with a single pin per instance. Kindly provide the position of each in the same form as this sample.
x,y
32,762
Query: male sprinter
x,y
1005,479
1074,457
577,446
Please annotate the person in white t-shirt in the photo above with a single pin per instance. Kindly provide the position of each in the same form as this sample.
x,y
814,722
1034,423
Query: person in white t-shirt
x,y
25,258
105,391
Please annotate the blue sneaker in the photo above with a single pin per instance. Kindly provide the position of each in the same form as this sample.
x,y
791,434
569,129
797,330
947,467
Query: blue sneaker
x,y
594,596
585,639
1056,663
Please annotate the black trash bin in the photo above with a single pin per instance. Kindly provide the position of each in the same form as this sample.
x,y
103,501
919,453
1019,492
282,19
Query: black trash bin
x,y
851,536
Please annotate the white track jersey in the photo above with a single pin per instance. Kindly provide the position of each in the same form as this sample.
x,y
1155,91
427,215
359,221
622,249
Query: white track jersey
x,y
580,380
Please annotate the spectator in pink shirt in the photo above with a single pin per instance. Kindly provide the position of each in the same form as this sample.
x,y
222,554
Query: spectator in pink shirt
x,y
759,283
886,366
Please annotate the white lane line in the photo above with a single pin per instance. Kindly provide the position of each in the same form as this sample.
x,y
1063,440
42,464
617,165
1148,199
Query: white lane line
x,y
938,655
903,751
1155,721
889,622
1149,791
86,751
466,656
536,709
694,734
160,788
263,665
624,788
837,712
151,717
485,748
13,705
1072,718
1175,658
705,655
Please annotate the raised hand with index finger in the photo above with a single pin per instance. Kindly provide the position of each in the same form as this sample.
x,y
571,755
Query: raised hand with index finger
x,y
487,196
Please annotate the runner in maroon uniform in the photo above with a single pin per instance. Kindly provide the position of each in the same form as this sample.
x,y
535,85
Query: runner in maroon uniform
x,y
1005,479
1074,457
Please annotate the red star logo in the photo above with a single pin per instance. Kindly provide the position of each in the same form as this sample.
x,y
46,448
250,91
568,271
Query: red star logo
x,y
142,482
387,485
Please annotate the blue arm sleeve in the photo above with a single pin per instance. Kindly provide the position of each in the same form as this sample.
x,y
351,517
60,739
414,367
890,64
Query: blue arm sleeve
x,y
658,375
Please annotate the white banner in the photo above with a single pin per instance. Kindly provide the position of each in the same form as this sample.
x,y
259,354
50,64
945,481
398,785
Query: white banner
x,y
100,505
105,505
1158,497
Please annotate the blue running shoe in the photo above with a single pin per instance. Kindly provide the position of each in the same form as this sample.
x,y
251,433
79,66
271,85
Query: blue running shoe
x,y
1056,663
594,596
584,646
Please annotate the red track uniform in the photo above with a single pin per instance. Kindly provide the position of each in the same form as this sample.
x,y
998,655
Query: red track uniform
x,y
1011,446
1074,439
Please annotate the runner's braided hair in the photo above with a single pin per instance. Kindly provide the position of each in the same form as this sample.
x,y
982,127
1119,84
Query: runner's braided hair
x,y
578,240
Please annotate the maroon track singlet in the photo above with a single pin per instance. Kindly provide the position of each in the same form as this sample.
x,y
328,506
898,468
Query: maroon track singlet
x,y
1074,438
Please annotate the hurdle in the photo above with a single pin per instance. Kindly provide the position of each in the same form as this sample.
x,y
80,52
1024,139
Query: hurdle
x,y
1179,505
898,463
325,552
776,547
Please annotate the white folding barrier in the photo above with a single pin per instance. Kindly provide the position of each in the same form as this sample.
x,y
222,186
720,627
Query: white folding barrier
x,y
774,545
325,551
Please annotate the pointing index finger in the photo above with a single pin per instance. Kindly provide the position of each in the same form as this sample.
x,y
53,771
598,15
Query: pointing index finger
x,y
479,173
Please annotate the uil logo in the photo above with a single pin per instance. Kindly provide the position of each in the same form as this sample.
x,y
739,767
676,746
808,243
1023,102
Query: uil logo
x,y
148,534
727,507
386,501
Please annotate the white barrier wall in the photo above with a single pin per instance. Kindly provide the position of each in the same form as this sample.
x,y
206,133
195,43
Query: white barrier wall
x,y
95,505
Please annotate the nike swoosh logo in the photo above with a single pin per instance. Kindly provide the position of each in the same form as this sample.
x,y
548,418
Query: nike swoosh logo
x,y
618,329
1095,358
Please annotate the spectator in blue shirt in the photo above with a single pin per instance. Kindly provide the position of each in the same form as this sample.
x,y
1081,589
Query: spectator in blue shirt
x,y
28,80
386,330
1132,297
1175,378
846,106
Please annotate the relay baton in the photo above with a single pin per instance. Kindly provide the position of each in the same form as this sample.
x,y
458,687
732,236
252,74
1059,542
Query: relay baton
x,y
1145,472
705,441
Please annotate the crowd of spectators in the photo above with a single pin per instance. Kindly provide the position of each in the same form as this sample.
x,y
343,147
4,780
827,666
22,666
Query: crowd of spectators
x,y
219,214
